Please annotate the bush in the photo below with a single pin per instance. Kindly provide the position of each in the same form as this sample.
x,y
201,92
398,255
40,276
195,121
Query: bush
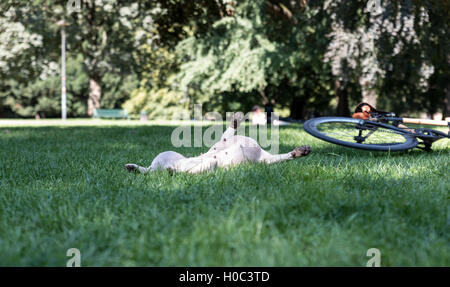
x,y
157,104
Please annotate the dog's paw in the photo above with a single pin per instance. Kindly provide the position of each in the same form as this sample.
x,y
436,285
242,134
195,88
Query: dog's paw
x,y
301,151
131,167
237,118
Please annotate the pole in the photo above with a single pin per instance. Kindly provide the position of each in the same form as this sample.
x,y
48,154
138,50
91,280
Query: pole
x,y
63,74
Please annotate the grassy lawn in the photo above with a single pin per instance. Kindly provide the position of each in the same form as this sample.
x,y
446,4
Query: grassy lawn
x,y
65,186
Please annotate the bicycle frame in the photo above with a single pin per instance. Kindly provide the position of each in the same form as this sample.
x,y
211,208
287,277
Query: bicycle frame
x,y
428,136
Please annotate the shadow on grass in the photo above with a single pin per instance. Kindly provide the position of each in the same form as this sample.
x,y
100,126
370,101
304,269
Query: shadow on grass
x,y
145,142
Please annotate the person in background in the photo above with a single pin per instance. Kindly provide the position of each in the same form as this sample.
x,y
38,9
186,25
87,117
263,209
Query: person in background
x,y
258,117
269,110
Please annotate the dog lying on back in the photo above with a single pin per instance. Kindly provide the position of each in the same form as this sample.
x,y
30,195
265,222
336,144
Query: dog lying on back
x,y
230,150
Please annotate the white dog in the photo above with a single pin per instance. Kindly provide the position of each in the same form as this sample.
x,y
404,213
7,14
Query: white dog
x,y
230,150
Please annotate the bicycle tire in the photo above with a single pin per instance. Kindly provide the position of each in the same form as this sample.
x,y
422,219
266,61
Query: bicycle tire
x,y
311,127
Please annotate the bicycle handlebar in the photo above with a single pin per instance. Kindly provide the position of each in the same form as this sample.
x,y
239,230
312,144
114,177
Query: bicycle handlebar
x,y
391,116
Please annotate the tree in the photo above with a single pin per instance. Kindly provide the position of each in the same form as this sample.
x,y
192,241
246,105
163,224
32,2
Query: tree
x,y
105,33
314,57
40,97
155,96
22,39
396,51
260,47
310,54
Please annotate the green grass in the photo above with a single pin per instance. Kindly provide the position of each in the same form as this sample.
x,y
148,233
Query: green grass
x,y
65,186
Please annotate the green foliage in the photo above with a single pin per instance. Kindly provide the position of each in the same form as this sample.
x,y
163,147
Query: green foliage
x,y
117,89
104,33
428,56
308,56
277,49
42,96
155,96
256,52
157,103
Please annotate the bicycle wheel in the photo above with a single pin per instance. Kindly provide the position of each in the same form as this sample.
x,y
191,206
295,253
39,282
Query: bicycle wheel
x,y
361,134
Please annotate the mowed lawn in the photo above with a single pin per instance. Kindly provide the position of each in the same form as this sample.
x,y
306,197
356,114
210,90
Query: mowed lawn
x,y
65,187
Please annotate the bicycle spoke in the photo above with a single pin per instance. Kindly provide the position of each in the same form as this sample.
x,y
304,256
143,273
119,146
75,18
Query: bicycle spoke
x,y
358,134
369,135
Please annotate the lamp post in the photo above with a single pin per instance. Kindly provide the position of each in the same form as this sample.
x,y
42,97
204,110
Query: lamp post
x,y
63,25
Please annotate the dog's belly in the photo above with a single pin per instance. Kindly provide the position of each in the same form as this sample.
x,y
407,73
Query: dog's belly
x,y
165,160
235,150
232,141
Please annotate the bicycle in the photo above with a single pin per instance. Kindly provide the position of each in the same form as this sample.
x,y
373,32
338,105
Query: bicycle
x,y
381,132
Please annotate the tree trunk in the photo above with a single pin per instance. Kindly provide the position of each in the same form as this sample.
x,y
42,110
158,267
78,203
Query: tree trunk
x,y
369,96
262,92
95,94
342,98
297,108
446,111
